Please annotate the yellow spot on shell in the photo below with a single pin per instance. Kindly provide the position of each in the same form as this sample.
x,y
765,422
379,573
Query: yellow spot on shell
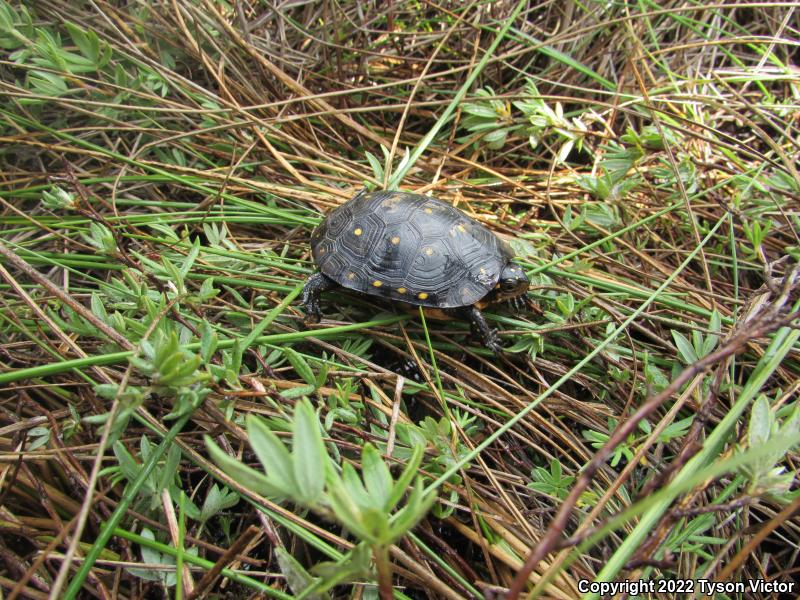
x,y
357,231
351,275
377,283
395,240
401,290
461,228
422,295
428,210
483,271
429,251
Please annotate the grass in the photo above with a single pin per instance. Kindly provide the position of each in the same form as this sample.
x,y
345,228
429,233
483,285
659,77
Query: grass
x,y
169,426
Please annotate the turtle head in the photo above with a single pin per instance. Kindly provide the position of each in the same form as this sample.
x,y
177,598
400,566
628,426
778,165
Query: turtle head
x,y
512,283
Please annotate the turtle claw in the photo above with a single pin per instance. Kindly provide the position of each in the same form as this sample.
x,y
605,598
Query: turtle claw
x,y
313,313
481,330
315,285
492,341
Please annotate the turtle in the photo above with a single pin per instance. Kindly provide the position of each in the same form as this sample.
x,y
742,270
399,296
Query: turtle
x,y
416,250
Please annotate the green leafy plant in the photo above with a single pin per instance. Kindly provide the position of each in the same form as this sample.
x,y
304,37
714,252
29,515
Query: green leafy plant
x,y
675,430
701,344
379,168
531,342
217,500
358,345
544,121
654,378
769,475
598,439
101,238
551,482
39,437
607,185
369,505
756,232
163,477
130,398
341,407
650,138
447,450
490,117
57,198
693,537
172,370
166,575
666,178
16,26
302,368
231,359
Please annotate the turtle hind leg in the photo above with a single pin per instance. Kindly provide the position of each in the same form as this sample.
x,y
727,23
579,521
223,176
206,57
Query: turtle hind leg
x,y
481,328
314,287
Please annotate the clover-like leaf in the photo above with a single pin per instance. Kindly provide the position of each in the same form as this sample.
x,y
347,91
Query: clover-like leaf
x,y
272,452
246,476
376,475
308,454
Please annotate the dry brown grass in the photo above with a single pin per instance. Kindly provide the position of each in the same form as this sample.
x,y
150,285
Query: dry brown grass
x,y
260,117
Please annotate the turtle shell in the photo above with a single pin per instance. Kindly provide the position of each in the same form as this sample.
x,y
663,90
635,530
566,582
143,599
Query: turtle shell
x,y
410,248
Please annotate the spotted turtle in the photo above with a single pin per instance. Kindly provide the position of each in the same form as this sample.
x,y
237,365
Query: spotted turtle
x,y
417,250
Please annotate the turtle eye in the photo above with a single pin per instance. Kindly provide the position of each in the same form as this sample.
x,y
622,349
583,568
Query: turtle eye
x,y
508,286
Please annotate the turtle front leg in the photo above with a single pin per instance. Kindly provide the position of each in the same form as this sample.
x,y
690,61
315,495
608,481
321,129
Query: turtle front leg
x,y
315,285
481,328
